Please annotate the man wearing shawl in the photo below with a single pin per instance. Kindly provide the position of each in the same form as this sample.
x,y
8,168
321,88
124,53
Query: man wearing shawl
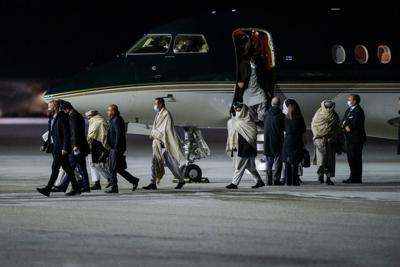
x,y
242,145
97,140
325,128
167,149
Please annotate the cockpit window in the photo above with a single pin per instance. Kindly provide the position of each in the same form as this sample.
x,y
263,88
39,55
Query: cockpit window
x,y
152,44
190,43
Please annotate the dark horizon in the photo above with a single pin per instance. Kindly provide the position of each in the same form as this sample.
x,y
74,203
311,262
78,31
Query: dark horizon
x,y
54,40
49,41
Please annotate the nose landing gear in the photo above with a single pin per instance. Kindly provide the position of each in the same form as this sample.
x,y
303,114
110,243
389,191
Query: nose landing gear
x,y
195,148
193,173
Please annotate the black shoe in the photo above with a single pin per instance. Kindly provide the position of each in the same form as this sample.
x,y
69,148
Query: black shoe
x,y
73,192
135,185
44,191
329,181
96,186
111,190
259,184
58,189
277,182
108,185
321,179
232,186
150,187
180,185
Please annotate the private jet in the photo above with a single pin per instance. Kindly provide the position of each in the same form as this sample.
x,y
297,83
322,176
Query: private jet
x,y
193,63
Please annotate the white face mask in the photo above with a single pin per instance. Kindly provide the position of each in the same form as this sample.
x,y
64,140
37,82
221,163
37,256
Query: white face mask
x,y
155,108
285,110
349,103
238,113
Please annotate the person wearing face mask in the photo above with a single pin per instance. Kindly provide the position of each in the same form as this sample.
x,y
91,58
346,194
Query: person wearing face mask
x,y
325,128
116,140
353,125
167,150
242,145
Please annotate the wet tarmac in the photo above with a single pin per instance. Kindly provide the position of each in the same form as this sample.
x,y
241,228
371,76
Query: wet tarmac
x,y
203,224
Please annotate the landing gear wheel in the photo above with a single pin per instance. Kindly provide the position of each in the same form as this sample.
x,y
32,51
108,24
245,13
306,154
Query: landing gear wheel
x,y
193,172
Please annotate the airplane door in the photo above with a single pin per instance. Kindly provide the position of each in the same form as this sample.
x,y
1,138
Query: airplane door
x,y
257,39
253,40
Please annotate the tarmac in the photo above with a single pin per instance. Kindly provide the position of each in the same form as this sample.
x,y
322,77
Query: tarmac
x,y
202,224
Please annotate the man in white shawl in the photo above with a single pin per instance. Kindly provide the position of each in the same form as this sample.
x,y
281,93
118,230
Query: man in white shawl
x,y
167,150
97,140
242,145
325,128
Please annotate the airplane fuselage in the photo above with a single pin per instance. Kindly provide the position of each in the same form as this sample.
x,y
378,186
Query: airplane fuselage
x,y
199,87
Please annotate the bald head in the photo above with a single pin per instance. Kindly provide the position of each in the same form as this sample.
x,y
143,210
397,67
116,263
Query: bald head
x,y
276,101
112,110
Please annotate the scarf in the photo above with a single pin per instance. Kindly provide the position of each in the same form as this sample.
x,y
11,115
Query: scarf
x,y
164,131
98,130
244,125
325,122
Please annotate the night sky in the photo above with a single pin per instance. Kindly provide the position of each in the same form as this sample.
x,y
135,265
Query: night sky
x,y
59,38
53,39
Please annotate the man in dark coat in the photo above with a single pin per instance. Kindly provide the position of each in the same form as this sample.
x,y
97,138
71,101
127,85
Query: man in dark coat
x,y
354,131
80,147
116,139
274,127
60,144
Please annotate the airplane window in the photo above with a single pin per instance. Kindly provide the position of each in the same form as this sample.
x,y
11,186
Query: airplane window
x,y
361,54
190,43
152,44
384,54
338,54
